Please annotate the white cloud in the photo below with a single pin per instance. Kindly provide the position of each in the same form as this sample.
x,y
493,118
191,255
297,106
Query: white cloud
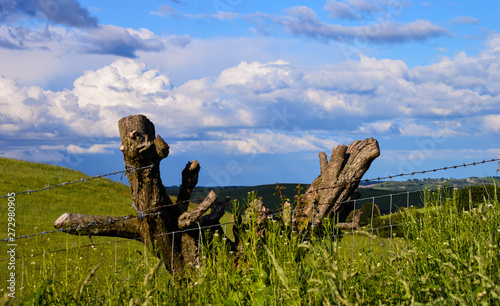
x,y
258,77
94,149
264,142
491,123
264,107
123,83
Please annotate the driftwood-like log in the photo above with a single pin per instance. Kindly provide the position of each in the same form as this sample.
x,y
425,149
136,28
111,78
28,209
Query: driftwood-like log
x,y
338,180
189,181
95,225
187,219
159,221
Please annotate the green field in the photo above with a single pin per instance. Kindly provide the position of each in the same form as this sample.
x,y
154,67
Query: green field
x,y
444,256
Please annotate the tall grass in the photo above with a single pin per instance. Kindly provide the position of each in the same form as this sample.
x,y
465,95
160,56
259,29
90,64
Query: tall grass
x,y
447,256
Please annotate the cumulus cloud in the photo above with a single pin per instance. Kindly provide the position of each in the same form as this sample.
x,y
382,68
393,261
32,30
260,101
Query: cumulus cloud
x,y
261,142
256,108
68,12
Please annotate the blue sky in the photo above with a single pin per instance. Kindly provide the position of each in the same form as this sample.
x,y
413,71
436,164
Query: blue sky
x,y
252,89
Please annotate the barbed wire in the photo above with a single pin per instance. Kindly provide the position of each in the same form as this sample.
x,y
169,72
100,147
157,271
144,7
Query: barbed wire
x,y
127,240
128,169
353,181
143,214
464,165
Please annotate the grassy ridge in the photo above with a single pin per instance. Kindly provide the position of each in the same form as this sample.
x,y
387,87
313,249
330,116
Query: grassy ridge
x,y
379,196
447,256
36,212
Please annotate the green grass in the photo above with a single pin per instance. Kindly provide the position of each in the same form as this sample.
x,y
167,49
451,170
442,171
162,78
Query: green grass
x,y
444,256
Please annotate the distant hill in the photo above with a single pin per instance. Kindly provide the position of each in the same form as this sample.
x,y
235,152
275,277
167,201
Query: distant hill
x,y
404,193
271,201
432,183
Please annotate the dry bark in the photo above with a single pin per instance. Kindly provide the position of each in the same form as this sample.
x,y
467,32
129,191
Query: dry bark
x,y
330,192
159,220
173,233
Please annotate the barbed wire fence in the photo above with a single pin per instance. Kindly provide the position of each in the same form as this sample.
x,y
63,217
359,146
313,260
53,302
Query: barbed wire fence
x,y
394,206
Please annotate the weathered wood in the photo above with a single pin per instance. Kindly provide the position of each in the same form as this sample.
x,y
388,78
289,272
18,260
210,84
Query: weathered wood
x,y
187,219
189,181
79,224
158,222
338,181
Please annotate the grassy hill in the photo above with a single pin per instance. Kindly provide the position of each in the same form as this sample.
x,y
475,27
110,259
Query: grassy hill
x,y
36,213
438,260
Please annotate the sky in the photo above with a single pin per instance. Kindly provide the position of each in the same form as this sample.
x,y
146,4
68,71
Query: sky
x,y
253,90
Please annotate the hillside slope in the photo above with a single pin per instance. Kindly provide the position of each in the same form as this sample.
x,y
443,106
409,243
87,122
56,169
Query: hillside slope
x,y
37,211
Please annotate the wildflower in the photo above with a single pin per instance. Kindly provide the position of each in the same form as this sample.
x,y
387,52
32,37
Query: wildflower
x,y
224,238
446,243
32,262
378,264
80,258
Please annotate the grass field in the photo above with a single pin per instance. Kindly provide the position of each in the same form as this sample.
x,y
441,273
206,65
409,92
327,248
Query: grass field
x,y
447,256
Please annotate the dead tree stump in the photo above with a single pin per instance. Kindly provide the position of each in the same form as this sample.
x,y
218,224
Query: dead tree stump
x,y
330,192
173,233
166,227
